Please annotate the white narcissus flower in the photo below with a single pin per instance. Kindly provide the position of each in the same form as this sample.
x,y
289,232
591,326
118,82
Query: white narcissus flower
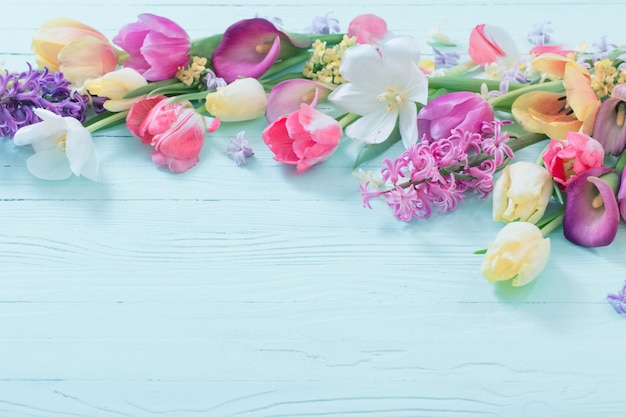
x,y
383,87
62,145
522,192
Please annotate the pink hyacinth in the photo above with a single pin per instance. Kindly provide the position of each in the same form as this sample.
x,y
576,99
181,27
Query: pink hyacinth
x,y
156,46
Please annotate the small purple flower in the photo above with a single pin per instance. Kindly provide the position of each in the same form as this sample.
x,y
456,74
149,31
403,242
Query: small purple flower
x,y
323,25
212,81
239,149
540,35
515,75
603,48
618,301
445,59
22,93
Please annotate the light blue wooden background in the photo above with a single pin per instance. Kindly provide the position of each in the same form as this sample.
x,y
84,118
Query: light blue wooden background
x,y
254,292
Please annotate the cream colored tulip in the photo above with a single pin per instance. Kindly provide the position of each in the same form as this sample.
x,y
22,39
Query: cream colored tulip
x,y
115,85
519,252
522,192
243,99
76,49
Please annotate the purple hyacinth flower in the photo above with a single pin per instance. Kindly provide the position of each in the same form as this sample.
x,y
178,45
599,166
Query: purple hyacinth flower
x,y
22,93
591,212
239,149
250,47
618,301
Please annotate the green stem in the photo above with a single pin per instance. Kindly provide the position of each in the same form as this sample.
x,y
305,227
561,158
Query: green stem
x,y
555,86
552,224
285,64
460,69
346,119
108,121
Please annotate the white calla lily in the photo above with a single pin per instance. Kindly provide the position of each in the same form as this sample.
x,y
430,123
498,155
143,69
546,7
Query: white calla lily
x,y
62,145
383,88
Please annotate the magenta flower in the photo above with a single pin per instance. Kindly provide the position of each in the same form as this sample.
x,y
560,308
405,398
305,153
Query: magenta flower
x,y
250,47
591,212
610,129
462,109
156,46
621,195
287,96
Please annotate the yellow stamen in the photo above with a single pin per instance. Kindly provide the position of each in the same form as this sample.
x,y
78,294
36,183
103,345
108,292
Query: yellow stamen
x,y
61,142
263,48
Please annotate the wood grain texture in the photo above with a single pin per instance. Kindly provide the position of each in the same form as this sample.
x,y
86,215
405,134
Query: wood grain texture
x,y
255,292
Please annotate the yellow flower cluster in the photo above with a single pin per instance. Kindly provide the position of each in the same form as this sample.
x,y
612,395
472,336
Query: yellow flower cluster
x,y
605,77
193,72
324,63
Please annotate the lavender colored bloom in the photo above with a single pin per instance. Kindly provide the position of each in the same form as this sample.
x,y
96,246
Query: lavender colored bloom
x,y
445,59
323,25
212,81
618,301
603,48
540,35
514,74
21,93
239,149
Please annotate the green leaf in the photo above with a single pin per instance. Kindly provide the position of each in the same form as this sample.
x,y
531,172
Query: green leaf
x,y
372,150
480,252
204,47
150,87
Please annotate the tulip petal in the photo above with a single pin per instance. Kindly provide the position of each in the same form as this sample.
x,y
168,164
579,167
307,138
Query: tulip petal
x,y
287,96
586,222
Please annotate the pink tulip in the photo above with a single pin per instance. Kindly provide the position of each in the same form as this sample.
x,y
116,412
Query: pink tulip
x,y
451,111
489,44
566,159
176,131
287,96
156,46
369,29
304,138
250,47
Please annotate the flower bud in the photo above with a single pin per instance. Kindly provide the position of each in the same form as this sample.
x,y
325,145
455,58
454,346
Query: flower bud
x,y
450,111
522,193
519,252
114,86
243,99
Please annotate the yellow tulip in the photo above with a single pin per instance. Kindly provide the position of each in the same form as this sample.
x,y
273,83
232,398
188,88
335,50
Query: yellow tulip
x,y
115,85
522,193
519,252
243,99
76,49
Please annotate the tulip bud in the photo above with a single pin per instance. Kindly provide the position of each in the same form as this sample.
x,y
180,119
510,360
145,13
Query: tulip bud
x,y
450,111
243,99
114,86
522,193
519,252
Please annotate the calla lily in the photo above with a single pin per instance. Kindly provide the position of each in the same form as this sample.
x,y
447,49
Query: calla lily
x,y
250,47
287,96
621,195
591,211
610,129
62,147
554,113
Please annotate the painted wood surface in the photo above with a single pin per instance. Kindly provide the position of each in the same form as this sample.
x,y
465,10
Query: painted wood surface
x,y
254,292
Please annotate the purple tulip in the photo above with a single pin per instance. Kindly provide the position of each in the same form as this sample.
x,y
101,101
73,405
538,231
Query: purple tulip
x,y
450,111
250,47
156,46
610,129
286,97
591,212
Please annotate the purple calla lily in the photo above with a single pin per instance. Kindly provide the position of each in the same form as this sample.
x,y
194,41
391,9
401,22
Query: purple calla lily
x,y
591,212
250,47
286,97
621,196
610,129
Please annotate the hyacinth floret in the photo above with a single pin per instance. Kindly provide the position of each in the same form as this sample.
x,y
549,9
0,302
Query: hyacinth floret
x,y
21,93
437,174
